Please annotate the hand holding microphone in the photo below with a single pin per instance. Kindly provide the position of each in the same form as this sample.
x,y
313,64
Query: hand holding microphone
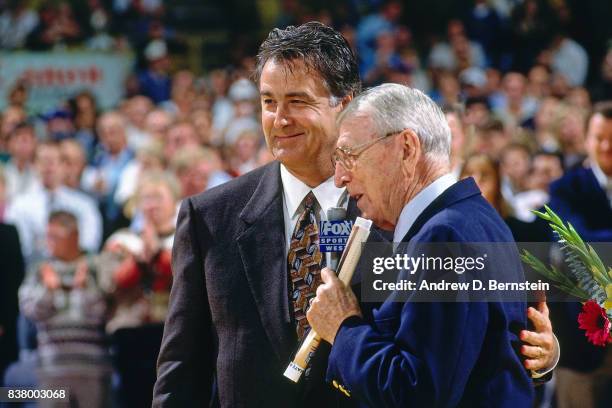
x,y
334,303
346,267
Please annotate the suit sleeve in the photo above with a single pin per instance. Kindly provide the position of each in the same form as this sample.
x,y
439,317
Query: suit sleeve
x,y
562,200
186,362
413,364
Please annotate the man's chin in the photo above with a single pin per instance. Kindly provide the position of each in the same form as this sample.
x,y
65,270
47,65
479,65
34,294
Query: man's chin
x,y
607,169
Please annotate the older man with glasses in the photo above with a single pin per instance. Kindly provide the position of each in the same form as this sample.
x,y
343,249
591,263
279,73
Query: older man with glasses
x,y
418,353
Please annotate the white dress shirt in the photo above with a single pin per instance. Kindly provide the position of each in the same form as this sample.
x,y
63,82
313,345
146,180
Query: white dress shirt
x,y
30,212
604,181
294,191
419,203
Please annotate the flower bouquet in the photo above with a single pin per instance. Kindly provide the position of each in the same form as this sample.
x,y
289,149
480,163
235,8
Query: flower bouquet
x,y
586,278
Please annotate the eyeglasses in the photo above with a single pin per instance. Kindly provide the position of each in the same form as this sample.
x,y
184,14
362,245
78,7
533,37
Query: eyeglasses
x,y
347,156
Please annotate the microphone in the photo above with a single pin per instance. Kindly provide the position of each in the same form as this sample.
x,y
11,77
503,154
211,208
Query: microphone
x,y
333,257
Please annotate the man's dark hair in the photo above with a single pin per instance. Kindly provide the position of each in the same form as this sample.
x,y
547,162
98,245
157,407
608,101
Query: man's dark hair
x,y
453,109
492,125
20,127
64,218
476,100
321,48
601,108
547,153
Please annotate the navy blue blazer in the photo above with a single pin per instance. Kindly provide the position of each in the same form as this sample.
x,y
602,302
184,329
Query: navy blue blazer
x,y
578,198
439,354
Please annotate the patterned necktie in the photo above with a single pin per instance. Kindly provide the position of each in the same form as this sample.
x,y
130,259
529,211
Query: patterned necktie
x,y
304,263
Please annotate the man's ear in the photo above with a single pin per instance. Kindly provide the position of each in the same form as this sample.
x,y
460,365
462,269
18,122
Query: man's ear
x,y
411,145
345,101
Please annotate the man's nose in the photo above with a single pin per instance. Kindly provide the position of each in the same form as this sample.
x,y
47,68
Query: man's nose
x,y
341,176
281,118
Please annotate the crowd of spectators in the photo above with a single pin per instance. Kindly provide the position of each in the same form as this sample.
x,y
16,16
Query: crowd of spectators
x,y
94,195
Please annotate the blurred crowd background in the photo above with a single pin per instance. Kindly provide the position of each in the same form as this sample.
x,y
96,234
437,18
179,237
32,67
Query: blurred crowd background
x,y
112,111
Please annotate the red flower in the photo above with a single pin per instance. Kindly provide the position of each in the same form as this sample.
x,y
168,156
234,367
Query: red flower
x,y
593,319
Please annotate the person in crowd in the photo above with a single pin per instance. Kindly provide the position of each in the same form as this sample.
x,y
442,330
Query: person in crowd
x,y
532,22
477,112
538,81
180,135
454,118
243,95
198,169
11,276
546,123
154,81
182,95
19,171
102,177
447,90
583,197
57,25
74,160
515,162
135,110
222,108
85,112
484,26
516,107
490,138
486,173
458,53
546,167
148,158
202,120
139,266
570,133
157,123
11,116
371,27
16,23
243,155
568,58
30,212
63,296
59,124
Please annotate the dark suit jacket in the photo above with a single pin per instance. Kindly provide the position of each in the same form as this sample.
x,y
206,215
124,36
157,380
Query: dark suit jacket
x,y
11,276
440,354
229,333
578,199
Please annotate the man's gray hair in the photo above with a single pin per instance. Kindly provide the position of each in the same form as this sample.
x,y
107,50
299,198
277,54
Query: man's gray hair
x,y
394,107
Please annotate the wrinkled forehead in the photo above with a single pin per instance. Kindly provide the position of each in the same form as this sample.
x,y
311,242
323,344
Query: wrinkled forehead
x,y
356,129
600,126
293,73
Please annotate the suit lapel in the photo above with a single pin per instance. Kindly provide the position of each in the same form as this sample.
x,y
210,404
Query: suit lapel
x,y
459,191
262,249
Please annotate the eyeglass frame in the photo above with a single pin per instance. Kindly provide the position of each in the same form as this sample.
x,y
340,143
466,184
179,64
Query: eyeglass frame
x,y
348,152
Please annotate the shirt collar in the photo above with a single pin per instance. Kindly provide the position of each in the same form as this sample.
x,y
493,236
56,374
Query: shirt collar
x,y
419,203
604,181
294,191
